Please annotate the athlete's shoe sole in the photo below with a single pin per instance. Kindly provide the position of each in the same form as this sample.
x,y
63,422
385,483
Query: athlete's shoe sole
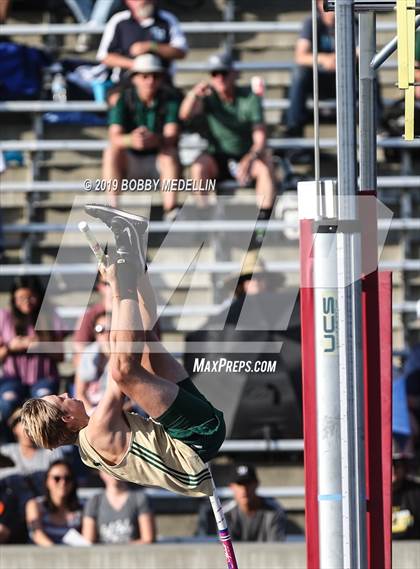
x,y
130,232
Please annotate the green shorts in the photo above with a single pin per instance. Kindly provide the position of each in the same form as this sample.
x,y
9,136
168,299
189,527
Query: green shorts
x,y
194,421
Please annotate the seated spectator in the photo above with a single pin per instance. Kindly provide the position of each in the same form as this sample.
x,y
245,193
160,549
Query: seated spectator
x,y
143,28
411,372
85,329
33,374
92,12
91,374
301,87
50,516
28,459
401,427
405,499
118,515
4,10
144,131
2,243
249,516
12,523
302,80
236,131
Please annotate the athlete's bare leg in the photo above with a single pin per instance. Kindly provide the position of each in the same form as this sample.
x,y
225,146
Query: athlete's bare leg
x,y
152,393
135,368
155,359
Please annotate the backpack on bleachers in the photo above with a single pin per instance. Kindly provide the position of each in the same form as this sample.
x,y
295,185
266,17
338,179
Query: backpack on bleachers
x,y
21,71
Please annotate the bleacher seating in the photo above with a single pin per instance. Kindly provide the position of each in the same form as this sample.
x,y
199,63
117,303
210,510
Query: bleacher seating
x,y
51,156
36,198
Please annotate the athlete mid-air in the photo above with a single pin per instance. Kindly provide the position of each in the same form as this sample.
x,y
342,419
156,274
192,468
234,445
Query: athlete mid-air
x,y
184,431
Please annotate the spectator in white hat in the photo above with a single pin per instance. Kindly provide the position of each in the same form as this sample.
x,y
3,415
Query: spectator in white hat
x,y
144,130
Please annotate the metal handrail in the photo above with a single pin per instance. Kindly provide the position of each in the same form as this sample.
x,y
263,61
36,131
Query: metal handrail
x,y
187,27
51,106
93,106
176,310
275,143
182,268
223,491
385,182
222,225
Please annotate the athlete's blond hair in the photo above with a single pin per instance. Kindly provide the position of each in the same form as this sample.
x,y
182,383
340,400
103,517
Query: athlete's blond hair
x,y
43,422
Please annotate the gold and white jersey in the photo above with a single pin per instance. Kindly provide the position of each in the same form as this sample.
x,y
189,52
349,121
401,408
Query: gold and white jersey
x,y
153,458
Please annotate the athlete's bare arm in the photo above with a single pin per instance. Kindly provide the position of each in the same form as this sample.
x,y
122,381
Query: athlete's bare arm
x,y
107,431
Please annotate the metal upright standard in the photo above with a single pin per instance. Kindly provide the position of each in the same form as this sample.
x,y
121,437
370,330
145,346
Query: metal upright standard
x,y
349,298
367,102
343,323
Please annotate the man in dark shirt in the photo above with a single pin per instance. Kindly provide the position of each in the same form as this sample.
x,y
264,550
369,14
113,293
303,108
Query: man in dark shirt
x,y
12,522
249,516
143,131
301,86
405,500
143,28
236,133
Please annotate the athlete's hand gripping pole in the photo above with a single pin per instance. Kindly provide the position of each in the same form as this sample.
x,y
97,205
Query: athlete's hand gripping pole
x,y
93,242
223,529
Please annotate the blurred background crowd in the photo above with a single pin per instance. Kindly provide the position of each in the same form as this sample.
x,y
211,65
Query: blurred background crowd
x,y
243,123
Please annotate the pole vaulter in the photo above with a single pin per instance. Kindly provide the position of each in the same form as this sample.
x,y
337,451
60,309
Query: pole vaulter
x,y
184,431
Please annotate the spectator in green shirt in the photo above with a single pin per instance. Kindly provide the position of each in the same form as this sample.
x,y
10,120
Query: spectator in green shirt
x,y
236,133
143,131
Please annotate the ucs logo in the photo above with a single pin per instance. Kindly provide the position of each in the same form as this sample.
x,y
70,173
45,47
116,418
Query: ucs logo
x,y
329,323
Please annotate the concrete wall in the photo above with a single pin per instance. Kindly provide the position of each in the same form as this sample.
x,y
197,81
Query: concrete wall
x,y
406,555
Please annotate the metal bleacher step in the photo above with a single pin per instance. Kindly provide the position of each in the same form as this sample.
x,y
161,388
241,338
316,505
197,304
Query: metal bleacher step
x,y
260,47
283,41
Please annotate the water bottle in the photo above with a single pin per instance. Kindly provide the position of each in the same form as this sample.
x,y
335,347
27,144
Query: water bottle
x,y
59,88
13,157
